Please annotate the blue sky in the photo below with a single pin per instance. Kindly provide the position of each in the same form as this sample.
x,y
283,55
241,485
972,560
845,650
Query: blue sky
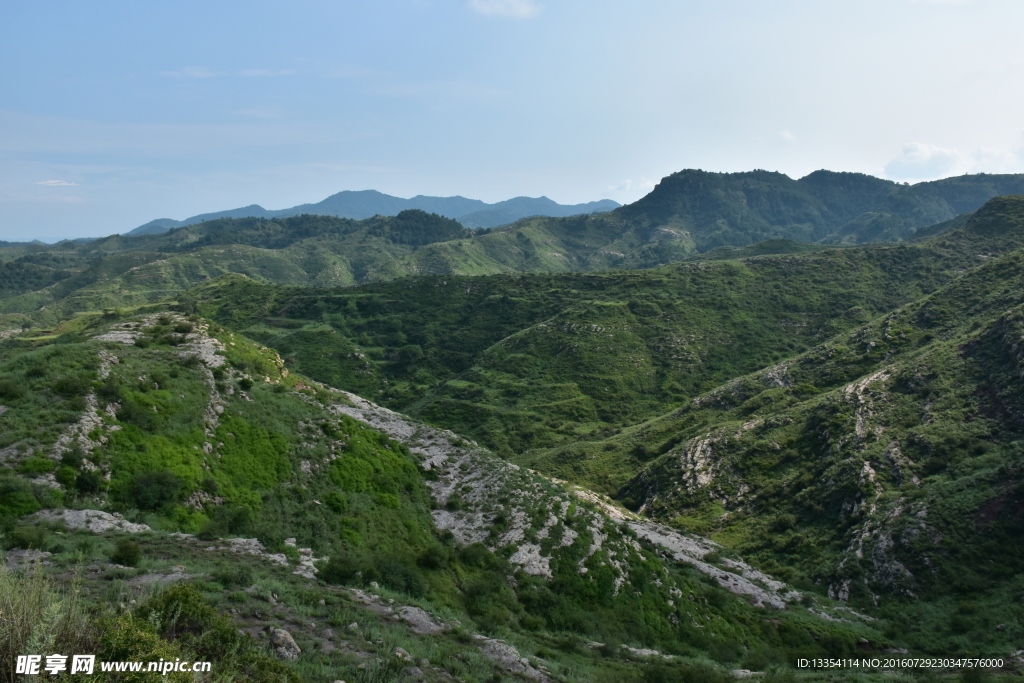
x,y
112,114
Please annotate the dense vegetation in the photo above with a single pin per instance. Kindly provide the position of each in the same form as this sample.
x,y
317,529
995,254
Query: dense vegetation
x,y
688,213
146,416
531,362
846,418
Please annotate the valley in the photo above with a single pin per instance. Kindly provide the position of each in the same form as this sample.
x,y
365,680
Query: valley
x,y
743,420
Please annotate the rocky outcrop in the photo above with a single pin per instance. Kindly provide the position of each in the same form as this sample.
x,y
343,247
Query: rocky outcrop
x,y
508,657
470,481
283,644
95,521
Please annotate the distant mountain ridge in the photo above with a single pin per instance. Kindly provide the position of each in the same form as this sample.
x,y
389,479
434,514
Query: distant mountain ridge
x,y
358,205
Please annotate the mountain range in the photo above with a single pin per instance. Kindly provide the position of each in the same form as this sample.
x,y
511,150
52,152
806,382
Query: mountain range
x,y
358,205
744,420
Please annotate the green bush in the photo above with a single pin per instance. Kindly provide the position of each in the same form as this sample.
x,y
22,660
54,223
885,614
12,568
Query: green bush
x,y
67,476
127,553
16,498
136,414
27,537
231,577
72,386
37,465
193,625
341,570
434,557
227,519
154,490
88,482
11,389
399,576
336,501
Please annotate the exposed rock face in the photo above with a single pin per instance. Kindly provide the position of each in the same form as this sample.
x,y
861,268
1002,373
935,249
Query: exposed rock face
x,y
284,645
507,656
95,521
251,546
420,621
759,587
471,480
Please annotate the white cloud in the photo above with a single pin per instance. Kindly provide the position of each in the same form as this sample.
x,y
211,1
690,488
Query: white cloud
x,y
190,72
251,73
520,9
632,188
55,183
786,136
920,161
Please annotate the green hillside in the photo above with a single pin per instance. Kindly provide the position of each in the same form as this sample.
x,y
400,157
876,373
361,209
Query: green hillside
x,y
530,362
153,450
689,213
750,454
824,398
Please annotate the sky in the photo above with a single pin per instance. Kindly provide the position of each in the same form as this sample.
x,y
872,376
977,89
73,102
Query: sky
x,y
116,113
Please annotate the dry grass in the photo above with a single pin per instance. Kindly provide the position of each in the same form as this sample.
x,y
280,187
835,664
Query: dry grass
x,y
37,617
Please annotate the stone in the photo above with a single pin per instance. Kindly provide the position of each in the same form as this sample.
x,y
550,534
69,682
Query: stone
x,y
402,654
284,645
95,521
420,622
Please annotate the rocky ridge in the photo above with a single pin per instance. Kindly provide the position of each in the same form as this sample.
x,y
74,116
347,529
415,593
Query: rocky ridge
x,y
478,494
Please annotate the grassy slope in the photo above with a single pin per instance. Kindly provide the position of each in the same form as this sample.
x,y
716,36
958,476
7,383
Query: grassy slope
x,y
528,363
687,213
148,429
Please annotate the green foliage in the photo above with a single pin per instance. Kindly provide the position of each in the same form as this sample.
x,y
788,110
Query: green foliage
x,y
29,537
16,497
36,465
155,490
127,553
181,616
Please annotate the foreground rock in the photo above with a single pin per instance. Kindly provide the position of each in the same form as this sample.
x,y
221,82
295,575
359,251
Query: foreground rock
x,y
284,645
95,521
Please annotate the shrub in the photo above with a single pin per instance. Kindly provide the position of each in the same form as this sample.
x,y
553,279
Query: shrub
x,y
110,390
27,537
72,386
230,577
399,576
336,501
37,465
126,553
38,616
477,555
88,482
16,498
136,414
433,557
154,490
10,389
227,519
66,476
342,569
